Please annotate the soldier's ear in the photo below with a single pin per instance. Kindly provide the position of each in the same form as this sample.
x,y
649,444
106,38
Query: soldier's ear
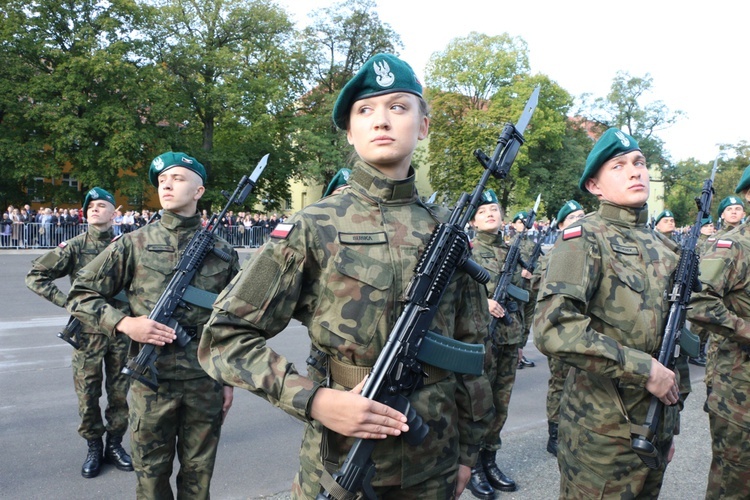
x,y
199,192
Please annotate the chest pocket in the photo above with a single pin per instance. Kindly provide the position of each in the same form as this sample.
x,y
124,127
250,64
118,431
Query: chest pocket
x,y
356,296
152,274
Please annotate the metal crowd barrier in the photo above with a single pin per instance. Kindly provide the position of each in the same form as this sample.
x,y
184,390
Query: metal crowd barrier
x,y
40,235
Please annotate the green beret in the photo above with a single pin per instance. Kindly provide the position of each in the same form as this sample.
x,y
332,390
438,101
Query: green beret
x,y
381,74
340,179
707,220
744,180
97,193
613,142
520,216
165,161
728,202
488,196
567,209
664,213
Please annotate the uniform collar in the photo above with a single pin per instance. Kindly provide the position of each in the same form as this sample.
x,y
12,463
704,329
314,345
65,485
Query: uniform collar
x,y
369,181
624,216
101,235
495,239
171,220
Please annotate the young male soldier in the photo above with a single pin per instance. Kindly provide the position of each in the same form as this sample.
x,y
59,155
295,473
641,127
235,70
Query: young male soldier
x,y
341,266
723,308
602,309
98,354
188,408
527,246
664,223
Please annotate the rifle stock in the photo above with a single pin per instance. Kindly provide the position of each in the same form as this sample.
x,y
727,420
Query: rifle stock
x,y
72,333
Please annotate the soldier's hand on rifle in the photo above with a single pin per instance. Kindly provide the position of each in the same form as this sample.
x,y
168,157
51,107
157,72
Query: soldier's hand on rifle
x,y
662,383
495,308
349,414
525,273
146,331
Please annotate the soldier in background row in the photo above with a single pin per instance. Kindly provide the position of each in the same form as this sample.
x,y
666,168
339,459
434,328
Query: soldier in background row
x,y
665,223
99,354
602,309
527,312
340,266
185,414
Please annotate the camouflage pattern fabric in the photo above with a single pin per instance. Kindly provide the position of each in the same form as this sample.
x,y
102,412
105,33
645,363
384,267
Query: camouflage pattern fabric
x,y
342,272
186,410
98,354
501,359
527,309
723,308
602,309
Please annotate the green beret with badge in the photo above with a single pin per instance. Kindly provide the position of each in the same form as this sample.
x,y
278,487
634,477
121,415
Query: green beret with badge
x,y
165,161
728,202
488,196
567,209
744,181
97,193
340,179
520,216
614,142
664,213
381,74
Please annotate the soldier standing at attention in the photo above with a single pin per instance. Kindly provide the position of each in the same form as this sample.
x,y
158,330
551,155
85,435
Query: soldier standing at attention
x,y
527,246
98,354
187,410
664,223
489,251
340,266
602,310
722,307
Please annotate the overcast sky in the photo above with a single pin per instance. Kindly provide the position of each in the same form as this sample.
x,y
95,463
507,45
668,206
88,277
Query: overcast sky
x,y
696,52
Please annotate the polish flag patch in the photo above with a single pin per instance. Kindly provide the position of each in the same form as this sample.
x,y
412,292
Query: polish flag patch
x,y
63,244
572,232
282,231
724,244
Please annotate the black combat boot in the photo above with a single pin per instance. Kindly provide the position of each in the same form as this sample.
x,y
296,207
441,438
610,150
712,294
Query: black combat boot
x,y
93,463
479,486
552,441
495,476
116,454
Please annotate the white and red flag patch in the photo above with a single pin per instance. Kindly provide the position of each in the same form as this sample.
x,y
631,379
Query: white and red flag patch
x,y
63,244
572,232
282,231
724,244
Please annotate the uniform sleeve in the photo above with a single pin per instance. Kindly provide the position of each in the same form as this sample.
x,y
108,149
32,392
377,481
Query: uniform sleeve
x,y
563,329
723,273
258,304
49,267
98,282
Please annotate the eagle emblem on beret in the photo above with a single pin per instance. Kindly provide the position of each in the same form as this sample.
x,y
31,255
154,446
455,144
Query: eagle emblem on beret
x,y
94,194
624,140
385,77
158,164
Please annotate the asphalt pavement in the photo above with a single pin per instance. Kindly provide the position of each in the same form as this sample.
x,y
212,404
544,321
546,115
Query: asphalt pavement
x,y
41,453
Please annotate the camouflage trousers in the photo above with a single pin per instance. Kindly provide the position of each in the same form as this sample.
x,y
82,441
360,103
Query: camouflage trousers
x,y
729,477
182,416
99,357
502,376
597,466
558,370
440,487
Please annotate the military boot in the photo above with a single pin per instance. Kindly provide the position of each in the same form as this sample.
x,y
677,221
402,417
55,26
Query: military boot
x,y
116,454
93,463
552,441
495,476
479,486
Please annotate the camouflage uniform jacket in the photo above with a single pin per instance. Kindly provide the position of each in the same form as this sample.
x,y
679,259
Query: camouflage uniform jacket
x,y
489,252
723,308
602,309
342,272
142,263
66,260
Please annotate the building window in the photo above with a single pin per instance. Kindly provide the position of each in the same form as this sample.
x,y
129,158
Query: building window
x,y
67,179
36,190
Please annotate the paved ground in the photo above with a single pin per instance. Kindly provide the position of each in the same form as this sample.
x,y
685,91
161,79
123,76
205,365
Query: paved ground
x,y
41,453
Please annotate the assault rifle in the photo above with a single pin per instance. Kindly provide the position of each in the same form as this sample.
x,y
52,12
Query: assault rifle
x,y
72,331
173,296
506,293
537,252
643,440
398,371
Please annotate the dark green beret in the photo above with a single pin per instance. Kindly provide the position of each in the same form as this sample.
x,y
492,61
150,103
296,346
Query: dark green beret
x,y
744,180
340,179
728,202
165,161
97,193
381,74
707,220
664,213
567,209
488,196
520,216
613,142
